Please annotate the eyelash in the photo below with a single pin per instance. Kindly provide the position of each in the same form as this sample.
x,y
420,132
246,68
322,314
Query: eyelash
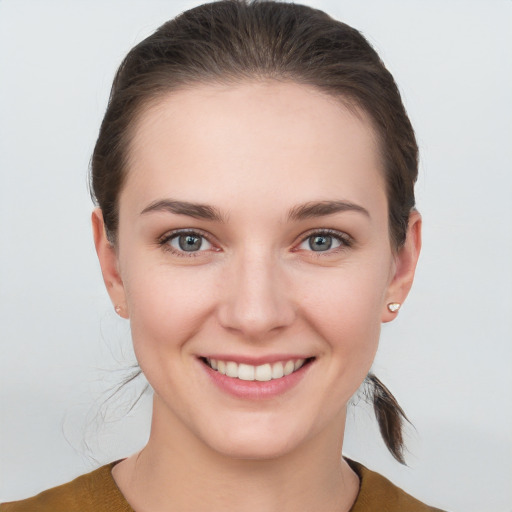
x,y
165,239
345,240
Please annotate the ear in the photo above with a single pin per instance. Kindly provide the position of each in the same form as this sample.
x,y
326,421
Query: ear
x,y
405,266
107,256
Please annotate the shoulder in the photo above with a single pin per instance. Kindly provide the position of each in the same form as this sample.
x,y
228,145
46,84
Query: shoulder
x,y
377,493
93,492
97,492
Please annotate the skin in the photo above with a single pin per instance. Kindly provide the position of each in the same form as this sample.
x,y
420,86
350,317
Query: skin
x,y
254,152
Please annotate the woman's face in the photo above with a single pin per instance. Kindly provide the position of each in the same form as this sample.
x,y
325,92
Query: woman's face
x,y
253,237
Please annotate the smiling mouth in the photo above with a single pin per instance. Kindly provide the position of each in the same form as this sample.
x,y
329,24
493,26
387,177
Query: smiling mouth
x,y
262,373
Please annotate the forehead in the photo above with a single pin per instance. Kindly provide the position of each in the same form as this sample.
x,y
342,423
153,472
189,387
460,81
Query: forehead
x,y
257,136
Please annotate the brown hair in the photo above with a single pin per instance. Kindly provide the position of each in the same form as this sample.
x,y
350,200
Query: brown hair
x,y
234,40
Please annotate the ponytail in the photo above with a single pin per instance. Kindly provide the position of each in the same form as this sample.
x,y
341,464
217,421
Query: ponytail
x,y
390,416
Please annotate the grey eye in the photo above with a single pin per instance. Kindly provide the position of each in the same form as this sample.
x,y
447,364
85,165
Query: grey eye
x,y
320,242
189,242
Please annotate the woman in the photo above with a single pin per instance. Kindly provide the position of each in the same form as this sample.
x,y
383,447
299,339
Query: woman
x,y
254,177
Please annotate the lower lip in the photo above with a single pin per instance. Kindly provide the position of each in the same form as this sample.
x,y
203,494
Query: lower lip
x,y
254,389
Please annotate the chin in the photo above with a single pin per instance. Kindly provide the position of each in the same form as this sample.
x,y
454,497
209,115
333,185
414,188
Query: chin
x,y
256,442
261,449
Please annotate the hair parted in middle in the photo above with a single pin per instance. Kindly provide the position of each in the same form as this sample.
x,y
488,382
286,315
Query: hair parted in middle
x,y
234,41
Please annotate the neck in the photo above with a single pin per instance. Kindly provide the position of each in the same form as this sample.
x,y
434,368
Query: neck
x,y
176,471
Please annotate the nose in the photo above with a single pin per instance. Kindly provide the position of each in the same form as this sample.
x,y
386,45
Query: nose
x,y
256,301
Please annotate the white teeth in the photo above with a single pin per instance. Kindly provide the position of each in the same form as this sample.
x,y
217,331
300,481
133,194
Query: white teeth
x,y
231,369
289,367
245,371
262,373
277,370
298,363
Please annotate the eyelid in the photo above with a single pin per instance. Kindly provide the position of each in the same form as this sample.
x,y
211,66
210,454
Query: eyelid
x,y
164,240
346,240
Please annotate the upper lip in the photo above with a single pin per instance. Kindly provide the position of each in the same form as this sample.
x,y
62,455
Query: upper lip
x,y
255,361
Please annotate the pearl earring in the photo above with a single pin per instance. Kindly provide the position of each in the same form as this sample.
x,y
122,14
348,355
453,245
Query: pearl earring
x,y
118,309
394,306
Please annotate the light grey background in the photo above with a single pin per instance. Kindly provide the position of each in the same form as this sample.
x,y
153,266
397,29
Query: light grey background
x,y
447,358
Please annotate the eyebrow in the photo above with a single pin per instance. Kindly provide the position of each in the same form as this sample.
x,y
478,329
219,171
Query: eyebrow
x,y
207,212
321,208
196,210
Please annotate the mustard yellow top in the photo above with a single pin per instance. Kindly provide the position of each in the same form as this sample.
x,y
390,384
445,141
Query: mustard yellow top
x,y
98,492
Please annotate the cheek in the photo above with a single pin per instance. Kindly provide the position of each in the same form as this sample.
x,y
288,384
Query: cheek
x,y
344,307
167,305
